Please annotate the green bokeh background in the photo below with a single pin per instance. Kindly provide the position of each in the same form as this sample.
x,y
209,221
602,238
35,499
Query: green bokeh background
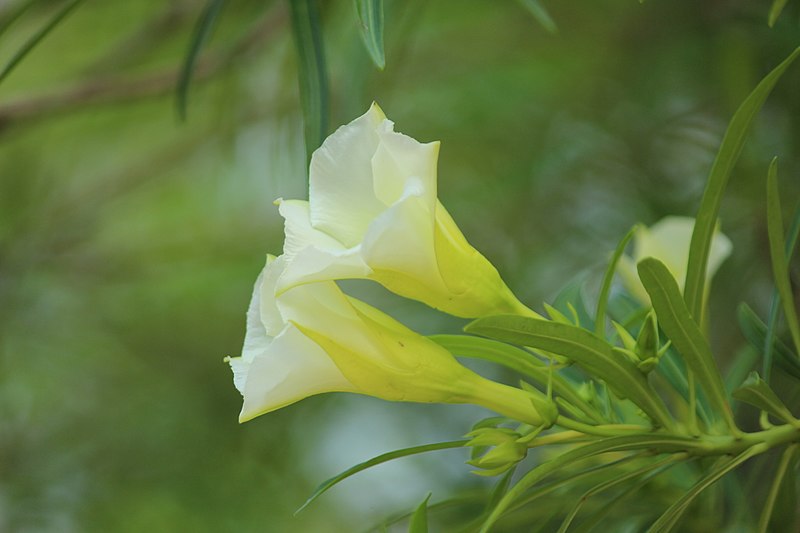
x,y
129,240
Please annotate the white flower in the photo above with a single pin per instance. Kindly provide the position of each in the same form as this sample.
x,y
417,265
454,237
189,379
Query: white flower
x,y
668,241
373,213
313,339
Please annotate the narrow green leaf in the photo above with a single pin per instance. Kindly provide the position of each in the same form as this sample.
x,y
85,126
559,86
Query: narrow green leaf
x,y
755,391
419,520
571,295
593,354
370,20
772,321
726,158
667,520
572,478
775,11
605,288
743,362
312,72
658,443
16,12
405,452
685,334
541,15
201,33
755,332
777,481
611,483
37,37
785,512
518,360
780,267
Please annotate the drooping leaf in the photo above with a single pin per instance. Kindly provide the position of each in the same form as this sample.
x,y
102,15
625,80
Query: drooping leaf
x,y
670,517
593,354
658,443
202,31
383,458
541,15
775,11
780,266
726,158
757,392
755,331
516,359
611,483
419,520
312,72
37,37
602,301
677,322
370,20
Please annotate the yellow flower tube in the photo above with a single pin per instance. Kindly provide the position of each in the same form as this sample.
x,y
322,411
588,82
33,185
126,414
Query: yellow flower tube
x,y
313,339
373,213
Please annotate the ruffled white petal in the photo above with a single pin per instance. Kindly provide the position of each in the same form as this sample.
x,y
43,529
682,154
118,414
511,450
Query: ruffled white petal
x,y
400,158
298,229
401,239
293,368
269,316
324,308
314,264
341,188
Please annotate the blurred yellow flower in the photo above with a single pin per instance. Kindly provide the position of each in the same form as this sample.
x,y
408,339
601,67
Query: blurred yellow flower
x,y
668,241
373,213
312,339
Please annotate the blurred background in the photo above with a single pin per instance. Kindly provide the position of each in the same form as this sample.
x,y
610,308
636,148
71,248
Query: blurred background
x,y
130,239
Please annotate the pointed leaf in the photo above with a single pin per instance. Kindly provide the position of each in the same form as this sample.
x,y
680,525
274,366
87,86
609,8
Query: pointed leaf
x,y
383,458
516,359
772,321
775,11
602,300
37,37
777,482
593,354
726,158
312,73
419,520
755,391
780,267
370,20
755,331
667,520
657,443
611,483
540,14
572,295
678,324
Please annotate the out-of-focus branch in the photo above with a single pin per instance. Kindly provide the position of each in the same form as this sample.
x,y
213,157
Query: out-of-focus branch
x,y
113,90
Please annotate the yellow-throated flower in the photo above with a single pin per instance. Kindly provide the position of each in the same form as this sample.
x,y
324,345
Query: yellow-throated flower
x,y
313,339
668,241
373,213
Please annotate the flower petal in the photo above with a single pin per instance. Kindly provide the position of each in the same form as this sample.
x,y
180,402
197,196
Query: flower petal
x,y
314,264
293,368
401,239
298,229
399,158
341,190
